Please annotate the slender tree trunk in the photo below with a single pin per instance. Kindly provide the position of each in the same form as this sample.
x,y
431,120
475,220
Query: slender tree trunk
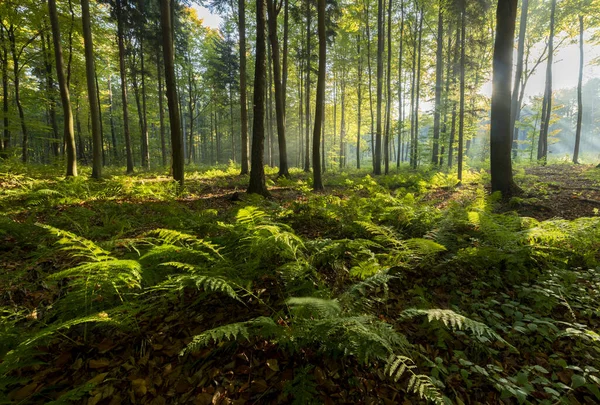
x,y
161,115
270,131
113,132
69,134
166,8
380,46
123,74
579,98
388,120
445,105
6,127
400,109
412,98
231,124
547,104
100,118
359,101
243,98
343,123
320,102
190,149
284,68
257,183
145,142
368,25
279,90
500,134
415,159
91,88
301,112
16,70
461,114
438,86
307,88
454,103
515,105
46,51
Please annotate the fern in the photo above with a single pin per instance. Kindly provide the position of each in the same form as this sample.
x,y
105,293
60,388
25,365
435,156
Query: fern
x,y
78,246
308,307
362,295
263,326
196,279
455,321
172,237
420,384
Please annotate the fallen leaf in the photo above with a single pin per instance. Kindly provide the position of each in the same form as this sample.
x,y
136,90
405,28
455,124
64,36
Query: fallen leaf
x,y
272,364
100,363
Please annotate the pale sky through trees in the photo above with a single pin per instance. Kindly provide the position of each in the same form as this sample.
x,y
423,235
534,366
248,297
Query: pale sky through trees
x,y
566,62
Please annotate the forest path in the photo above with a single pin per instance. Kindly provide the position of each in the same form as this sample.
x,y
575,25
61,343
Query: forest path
x,y
561,190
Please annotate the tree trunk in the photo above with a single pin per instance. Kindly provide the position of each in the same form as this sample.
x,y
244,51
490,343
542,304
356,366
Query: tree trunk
x,y
6,128
190,149
400,123
320,102
257,183
279,91
367,25
444,131
454,103
461,114
547,104
16,69
415,159
438,86
46,51
307,89
163,146
100,118
113,132
123,73
500,134
90,71
69,134
579,98
145,143
284,68
388,120
169,60
243,98
380,44
343,123
359,101
515,105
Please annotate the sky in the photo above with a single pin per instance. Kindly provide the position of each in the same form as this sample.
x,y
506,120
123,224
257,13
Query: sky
x,y
565,67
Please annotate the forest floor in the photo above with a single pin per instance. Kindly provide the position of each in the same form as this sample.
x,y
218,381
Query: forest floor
x,y
519,281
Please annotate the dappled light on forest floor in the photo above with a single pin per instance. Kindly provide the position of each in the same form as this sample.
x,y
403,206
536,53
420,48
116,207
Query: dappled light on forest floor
x,y
386,289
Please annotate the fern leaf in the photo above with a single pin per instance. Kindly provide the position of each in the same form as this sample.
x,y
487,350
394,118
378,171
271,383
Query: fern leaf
x,y
307,307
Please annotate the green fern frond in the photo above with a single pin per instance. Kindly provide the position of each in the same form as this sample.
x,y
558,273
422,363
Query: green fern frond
x,y
455,321
172,237
424,247
419,384
250,215
383,234
78,246
362,295
197,281
263,326
308,307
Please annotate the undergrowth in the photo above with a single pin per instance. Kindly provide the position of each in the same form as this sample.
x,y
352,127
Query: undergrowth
x,y
447,304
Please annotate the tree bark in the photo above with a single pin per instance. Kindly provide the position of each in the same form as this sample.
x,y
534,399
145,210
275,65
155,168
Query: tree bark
x,y
438,86
69,133
370,70
169,60
547,104
379,129
161,115
500,134
515,105
320,102
243,97
307,89
90,71
388,120
46,51
257,183
415,159
359,101
16,70
579,97
279,91
145,142
400,123
6,128
461,114
123,74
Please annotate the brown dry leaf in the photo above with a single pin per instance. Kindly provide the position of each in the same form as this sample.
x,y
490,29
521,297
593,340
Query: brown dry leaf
x,y
139,387
259,386
320,375
158,401
97,379
100,363
95,399
23,392
203,399
273,364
